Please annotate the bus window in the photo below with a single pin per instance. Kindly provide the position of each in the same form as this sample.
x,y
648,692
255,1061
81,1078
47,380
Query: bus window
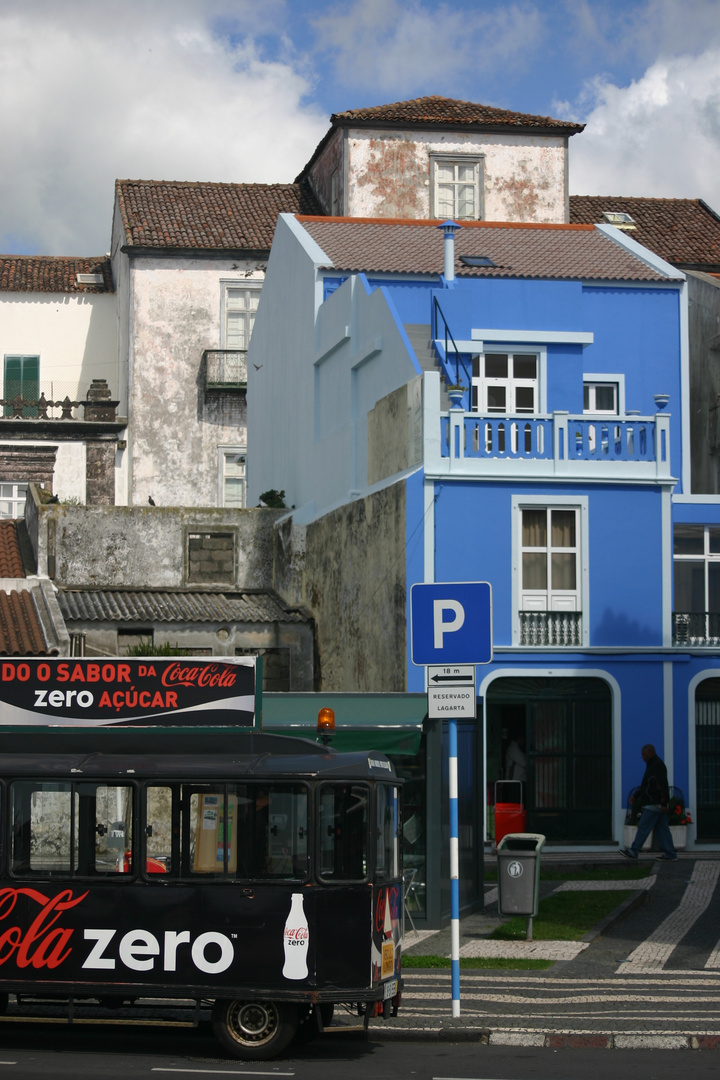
x,y
266,827
213,832
160,837
343,827
41,828
78,830
387,861
273,831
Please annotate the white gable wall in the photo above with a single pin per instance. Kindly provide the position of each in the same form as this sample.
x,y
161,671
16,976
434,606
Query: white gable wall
x,y
309,400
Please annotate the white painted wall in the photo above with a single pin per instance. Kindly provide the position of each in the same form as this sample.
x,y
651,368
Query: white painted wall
x,y
74,334
309,400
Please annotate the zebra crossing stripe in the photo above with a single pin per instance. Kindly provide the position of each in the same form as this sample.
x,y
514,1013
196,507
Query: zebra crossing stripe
x,y
653,954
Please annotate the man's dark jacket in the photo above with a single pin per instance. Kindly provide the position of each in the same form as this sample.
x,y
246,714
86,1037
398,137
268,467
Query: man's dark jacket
x,y
654,785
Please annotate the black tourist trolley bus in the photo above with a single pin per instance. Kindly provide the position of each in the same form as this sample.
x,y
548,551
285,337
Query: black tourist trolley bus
x,y
256,872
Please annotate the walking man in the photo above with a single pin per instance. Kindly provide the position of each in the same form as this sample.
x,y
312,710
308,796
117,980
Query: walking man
x,y
653,798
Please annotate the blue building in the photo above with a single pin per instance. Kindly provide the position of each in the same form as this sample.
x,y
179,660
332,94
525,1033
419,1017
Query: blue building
x,y
559,473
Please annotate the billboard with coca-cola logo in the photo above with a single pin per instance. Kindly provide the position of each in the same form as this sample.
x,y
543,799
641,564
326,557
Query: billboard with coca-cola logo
x,y
146,692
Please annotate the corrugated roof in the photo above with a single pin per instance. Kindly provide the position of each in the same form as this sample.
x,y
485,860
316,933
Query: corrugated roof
x,y
153,606
685,232
518,250
436,111
20,630
205,216
53,273
11,564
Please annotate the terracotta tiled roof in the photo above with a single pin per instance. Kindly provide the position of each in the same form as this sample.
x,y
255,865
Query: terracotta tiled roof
x,y
52,274
437,111
11,565
20,630
203,216
517,250
685,232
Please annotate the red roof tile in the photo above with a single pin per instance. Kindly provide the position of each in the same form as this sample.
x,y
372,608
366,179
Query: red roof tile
x,y
685,232
519,250
205,216
52,274
20,630
438,111
11,564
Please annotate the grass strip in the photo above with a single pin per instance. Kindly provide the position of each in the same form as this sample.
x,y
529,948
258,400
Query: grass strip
x,y
470,962
565,916
625,872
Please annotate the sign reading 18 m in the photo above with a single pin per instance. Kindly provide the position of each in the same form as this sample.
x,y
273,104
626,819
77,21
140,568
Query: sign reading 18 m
x,y
451,623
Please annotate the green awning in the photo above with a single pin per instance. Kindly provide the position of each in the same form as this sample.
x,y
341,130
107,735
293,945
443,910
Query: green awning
x,y
390,723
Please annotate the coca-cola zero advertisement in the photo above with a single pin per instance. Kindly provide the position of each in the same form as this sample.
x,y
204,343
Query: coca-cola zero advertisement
x,y
145,692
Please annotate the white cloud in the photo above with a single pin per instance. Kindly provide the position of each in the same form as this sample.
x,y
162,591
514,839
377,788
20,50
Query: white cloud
x,y
94,91
658,137
399,46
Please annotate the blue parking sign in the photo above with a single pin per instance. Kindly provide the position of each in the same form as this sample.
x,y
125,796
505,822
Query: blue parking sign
x,y
451,623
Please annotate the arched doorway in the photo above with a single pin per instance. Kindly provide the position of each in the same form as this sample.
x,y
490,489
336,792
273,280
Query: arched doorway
x,y
707,759
567,727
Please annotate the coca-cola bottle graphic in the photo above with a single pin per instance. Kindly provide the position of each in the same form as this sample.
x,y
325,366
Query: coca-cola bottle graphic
x,y
295,940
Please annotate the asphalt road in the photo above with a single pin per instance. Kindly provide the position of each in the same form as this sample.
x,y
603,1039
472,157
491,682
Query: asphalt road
x,y
31,1050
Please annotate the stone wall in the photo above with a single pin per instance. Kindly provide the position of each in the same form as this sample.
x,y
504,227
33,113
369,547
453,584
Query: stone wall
x,y
134,547
354,586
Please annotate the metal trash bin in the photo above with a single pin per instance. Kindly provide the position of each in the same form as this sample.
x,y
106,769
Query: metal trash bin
x,y
518,856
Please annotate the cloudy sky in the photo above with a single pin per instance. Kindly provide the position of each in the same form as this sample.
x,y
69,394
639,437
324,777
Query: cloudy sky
x,y
242,90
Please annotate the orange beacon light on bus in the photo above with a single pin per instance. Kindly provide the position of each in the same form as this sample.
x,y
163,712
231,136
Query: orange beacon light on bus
x,y
326,724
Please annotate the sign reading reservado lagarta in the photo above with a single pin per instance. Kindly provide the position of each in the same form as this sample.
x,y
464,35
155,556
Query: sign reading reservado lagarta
x,y
147,692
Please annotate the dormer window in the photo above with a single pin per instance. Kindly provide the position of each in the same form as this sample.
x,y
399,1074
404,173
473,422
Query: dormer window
x,y
619,219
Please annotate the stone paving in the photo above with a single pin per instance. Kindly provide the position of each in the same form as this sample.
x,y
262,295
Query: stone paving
x,y
647,976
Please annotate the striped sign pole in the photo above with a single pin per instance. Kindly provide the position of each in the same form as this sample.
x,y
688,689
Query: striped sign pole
x,y
454,869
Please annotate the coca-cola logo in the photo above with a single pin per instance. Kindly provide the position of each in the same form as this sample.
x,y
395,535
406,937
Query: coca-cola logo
x,y
296,935
203,675
43,944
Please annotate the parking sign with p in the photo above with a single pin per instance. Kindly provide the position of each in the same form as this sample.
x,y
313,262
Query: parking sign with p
x,y
451,623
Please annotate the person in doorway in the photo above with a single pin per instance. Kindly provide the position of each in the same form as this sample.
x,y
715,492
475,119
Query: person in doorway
x,y
516,760
652,797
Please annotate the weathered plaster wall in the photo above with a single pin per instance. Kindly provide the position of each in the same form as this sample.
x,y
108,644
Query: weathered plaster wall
x,y
389,174
355,589
704,335
144,547
320,176
177,426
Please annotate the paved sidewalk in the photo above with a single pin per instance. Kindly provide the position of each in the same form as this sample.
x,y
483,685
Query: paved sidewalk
x,y
648,975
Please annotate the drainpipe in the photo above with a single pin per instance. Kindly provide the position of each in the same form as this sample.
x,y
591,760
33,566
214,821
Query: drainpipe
x,y
449,229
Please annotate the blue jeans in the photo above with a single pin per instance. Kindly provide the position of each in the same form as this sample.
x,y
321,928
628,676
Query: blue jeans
x,y
657,820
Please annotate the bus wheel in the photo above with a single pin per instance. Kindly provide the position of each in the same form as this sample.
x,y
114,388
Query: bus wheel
x,y
254,1030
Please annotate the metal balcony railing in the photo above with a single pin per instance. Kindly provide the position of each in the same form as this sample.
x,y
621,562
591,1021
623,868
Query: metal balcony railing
x,y
551,628
696,628
225,369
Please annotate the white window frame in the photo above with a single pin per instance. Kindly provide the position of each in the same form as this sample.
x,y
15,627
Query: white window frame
x,y
225,451
479,384
477,162
593,379
226,307
705,556
559,502
16,499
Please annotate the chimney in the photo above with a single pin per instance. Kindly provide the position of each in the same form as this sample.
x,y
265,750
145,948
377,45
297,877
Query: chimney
x,y
449,229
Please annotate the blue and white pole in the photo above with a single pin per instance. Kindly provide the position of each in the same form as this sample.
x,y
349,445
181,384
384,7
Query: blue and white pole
x,y
454,869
